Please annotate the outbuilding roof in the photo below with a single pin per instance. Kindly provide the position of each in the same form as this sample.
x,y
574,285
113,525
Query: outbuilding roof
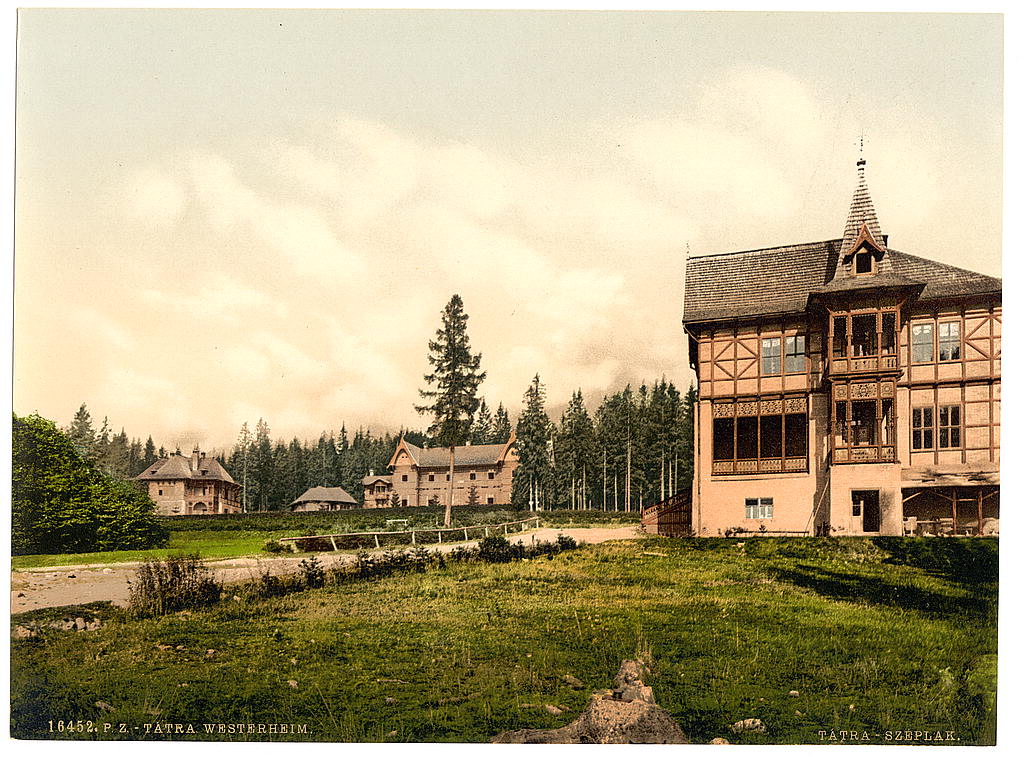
x,y
320,494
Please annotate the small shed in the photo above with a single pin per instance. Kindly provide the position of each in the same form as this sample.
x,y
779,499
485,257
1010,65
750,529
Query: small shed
x,y
324,499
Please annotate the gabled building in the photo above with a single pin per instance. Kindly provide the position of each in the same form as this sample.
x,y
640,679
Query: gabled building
x,y
845,388
198,484
376,491
324,499
482,472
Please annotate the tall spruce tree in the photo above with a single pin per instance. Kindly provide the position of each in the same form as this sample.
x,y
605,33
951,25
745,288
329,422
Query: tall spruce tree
x,y
482,431
502,425
531,482
452,387
82,434
576,459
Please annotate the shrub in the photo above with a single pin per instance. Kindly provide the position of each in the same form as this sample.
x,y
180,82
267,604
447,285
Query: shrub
x,y
497,550
61,503
274,546
312,572
180,582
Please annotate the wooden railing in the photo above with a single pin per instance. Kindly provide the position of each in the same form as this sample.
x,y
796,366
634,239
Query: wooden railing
x,y
672,517
377,539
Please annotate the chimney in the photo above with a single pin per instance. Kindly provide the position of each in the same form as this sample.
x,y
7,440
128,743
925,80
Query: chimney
x,y
195,458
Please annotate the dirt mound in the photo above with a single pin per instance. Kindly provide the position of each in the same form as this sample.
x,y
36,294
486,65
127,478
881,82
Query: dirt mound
x,y
626,714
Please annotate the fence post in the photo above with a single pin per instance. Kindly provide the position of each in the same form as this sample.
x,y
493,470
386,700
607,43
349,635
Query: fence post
x,y
465,533
439,537
487,531
333,544
376,540
414,537
506,528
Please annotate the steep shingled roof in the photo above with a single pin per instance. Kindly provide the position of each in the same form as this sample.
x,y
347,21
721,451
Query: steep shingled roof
x,y
465,455
372,478
321,494
778,280
862,214
178,467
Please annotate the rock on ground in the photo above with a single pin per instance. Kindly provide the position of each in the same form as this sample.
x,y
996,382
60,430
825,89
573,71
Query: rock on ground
x,y
627,714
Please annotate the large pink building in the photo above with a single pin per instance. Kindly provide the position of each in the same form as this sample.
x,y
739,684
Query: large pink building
x,y
845,388
419,476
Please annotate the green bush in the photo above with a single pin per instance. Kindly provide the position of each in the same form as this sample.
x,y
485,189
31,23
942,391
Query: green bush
x,y
180,582
313,575
61,504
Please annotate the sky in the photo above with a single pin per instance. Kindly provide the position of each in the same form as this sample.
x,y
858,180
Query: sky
x,y
223,216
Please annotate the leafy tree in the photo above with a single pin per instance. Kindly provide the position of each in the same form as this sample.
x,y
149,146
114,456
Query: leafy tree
x,y
61,503
533,477
452,387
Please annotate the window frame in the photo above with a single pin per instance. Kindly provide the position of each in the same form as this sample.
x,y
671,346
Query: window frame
x,y
760,508
922,326
727,444
775,357
799,344
949,340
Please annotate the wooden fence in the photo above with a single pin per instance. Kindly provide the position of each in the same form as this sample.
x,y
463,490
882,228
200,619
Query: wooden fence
x,y
415,536
671,517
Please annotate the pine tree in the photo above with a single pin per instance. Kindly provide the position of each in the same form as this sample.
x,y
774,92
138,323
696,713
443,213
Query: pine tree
x,y
502,425
576,457
262,463
452,387
533,476
149,452
82,434
482,431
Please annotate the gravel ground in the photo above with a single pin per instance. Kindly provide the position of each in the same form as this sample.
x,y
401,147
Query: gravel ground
x,y
44,587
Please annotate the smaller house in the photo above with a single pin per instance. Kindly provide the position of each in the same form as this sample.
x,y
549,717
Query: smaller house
x,y
324,499
376,491
198,484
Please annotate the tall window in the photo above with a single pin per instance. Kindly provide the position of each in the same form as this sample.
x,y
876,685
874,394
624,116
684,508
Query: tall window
x,y
922,429
865,335
796,353
949,341
949,426
759,508
771,355
922,343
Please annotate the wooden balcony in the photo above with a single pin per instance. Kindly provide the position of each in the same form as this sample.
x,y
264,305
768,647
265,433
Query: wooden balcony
x,y
759,466
859,365
865,454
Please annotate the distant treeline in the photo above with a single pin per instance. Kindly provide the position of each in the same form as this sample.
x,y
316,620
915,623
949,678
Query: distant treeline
x,y
635,449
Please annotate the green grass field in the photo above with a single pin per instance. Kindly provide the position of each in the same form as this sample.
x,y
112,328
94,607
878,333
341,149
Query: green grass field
x,y
462,653
232,535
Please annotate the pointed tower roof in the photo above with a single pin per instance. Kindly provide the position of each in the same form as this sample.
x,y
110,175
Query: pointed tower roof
x,y
862,223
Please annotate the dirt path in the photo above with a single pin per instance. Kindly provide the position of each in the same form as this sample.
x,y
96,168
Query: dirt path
x,y
62,586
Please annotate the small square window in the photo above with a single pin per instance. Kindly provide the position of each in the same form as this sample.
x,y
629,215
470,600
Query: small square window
x,y
490,475
759,508
490,501
405,478
472,475
430,478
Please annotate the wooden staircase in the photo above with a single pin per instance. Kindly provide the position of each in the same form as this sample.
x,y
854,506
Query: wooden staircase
x,y
671,517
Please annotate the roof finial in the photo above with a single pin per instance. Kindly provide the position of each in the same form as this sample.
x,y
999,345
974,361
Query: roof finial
x,y
861,161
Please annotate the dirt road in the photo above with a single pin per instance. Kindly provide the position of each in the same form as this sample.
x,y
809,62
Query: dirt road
x,y
61,586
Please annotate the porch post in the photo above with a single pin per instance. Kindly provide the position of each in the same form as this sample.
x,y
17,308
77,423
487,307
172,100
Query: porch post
x,y
981,501
954,510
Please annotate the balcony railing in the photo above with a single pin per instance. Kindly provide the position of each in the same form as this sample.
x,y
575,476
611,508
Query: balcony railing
x,y
863,454
759,466
863,365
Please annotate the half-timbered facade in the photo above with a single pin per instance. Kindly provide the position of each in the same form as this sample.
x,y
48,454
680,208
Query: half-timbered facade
x,y
844,388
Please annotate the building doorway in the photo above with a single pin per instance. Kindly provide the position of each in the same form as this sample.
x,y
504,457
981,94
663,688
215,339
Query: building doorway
x,y
865,505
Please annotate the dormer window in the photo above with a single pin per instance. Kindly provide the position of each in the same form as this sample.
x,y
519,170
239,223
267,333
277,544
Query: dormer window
x,y
864,262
